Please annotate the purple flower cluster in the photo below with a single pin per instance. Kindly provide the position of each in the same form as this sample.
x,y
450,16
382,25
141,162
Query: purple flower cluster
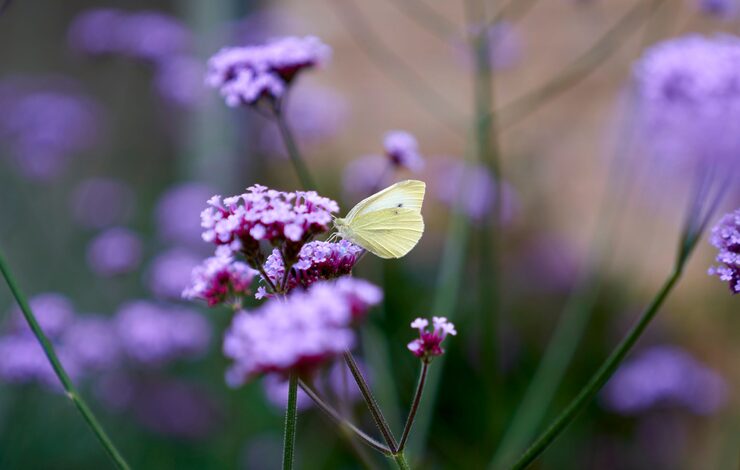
x,y
114,252
245,74
220,280
44,129
84,344
300,332
287,219
664,375
102,202
143,35
154,334
689,101
403,150
317,261
429,343
726,238
725,9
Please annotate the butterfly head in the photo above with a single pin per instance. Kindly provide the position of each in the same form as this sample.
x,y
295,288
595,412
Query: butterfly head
x,y
341,226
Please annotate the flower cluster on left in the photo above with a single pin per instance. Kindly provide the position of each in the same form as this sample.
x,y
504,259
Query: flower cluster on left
x,y
312,304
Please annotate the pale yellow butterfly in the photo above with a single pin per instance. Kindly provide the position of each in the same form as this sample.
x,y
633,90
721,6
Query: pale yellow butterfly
x,y
388,223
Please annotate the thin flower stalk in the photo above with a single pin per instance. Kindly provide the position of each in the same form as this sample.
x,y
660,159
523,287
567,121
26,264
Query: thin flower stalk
x,y
291,420
372,405
69,389
414,405
304,175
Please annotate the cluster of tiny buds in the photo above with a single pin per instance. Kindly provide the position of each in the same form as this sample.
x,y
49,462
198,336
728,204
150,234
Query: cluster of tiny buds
x,y
429,343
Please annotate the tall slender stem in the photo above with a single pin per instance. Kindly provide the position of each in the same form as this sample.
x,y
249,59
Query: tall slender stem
x,y
340,421
400,459
603,374
291,419
295,155
414,405
61,373
372,405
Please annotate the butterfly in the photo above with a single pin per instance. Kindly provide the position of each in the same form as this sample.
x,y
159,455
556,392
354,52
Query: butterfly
x,y
388,223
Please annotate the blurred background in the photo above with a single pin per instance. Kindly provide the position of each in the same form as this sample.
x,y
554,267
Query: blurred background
x,y
110,144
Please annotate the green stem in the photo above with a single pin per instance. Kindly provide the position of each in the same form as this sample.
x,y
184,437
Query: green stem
x,y
291,419
603,374
295,155
414,405
372,405
340,421
400,460
59,370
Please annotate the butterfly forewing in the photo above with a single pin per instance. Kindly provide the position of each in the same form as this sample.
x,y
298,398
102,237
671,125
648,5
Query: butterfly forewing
x,y
407,194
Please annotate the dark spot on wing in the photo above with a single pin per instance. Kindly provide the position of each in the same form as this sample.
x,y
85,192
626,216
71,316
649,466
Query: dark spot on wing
x,y
400,204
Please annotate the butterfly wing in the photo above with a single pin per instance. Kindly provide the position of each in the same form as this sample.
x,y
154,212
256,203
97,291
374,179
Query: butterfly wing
x,y
388,233
408,194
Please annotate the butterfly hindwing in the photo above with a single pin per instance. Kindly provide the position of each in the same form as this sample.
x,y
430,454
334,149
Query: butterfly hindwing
x,y
388,233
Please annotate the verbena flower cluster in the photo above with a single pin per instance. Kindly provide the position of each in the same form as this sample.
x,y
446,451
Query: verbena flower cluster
x,y
288,219
402,149
316,261
664,375
429,343
220,279
689,101
245,74
300,332
726,238
44,128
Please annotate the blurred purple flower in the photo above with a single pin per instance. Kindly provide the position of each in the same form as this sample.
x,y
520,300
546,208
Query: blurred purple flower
x,y
44,129
664,375
472,189
245,74
177,213
298,333
689,102
725,9
317,261
143,35
154,334
403,150
366,175
220,280
428,344
115,251
92,341
168,407
726,238
24,362
314,114
285,219
169,273
102,202
54,313
179,81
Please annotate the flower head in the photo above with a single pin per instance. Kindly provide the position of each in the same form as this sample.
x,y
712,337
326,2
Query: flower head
x,y
285,219
403,150
317,261
428,344
664,375
246,74
689,101
154,334
726,238
220,279
300,332
115,251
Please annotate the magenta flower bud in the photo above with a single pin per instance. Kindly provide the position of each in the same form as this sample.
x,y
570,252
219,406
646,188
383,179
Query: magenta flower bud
x,y
428,344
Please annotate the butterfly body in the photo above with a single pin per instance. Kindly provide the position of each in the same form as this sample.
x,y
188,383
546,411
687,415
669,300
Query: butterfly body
x,y
389,223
